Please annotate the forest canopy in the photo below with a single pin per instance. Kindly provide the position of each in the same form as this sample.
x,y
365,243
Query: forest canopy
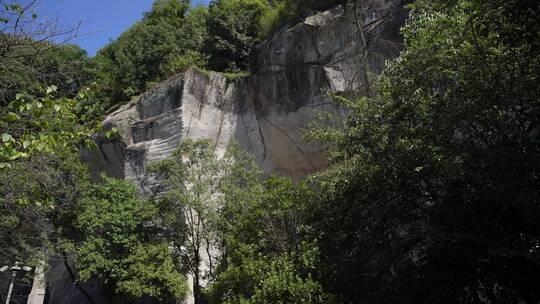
x,y
175,35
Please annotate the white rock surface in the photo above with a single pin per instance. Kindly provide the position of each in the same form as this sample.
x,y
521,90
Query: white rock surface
x,y
267,112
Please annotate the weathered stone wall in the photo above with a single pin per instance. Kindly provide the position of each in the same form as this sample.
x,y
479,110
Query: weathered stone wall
x,y
267,112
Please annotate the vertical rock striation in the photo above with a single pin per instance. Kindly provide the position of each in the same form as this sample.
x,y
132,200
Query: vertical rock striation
x,y
266,112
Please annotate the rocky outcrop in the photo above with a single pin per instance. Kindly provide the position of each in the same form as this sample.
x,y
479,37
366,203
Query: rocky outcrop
x,y
266,112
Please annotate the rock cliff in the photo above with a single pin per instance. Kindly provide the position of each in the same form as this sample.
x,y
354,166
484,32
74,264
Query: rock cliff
x,y
266,112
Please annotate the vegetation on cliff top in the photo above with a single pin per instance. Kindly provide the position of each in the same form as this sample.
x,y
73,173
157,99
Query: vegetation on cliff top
x,y
175,35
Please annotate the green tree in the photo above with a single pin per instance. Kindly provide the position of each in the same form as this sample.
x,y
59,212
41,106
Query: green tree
x,y
289,12
190,202
234,32
433,196
37,195
267,257
169,38
114,242
40,125
223,219
66,67
33,54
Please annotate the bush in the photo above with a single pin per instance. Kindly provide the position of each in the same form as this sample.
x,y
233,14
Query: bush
x,y
234,32
115,244
289,12
169,37
272,20
437,177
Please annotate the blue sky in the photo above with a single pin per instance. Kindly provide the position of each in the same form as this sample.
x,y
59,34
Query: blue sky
x,y
102,19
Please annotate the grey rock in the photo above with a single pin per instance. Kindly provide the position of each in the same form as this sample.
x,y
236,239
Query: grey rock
x,y
267,112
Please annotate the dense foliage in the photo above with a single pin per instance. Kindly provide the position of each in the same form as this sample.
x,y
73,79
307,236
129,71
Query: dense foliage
x,y
189,201
267,257
168,39
434,196
289,12
175,35
233,27
33,125
66,67
116,243
241,235
35,194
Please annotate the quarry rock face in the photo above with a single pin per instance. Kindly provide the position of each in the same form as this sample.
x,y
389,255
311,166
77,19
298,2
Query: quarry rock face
x,y
267,112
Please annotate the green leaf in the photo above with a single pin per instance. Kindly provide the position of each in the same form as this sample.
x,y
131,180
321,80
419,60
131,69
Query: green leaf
x,y
51,89
12,117
25,107
7,137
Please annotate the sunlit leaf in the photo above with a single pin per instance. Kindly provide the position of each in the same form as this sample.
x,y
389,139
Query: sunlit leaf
x,y
6,137
51,89
12,117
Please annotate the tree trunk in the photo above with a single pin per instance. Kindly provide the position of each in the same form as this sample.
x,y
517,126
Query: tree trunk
x,y
197,288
